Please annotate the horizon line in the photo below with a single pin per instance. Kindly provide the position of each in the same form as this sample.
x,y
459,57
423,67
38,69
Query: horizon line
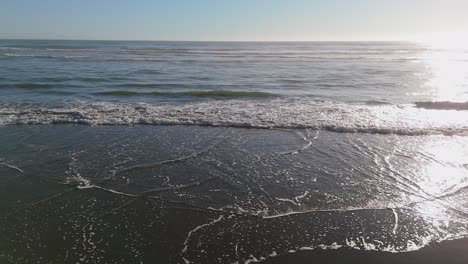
x,y
165,40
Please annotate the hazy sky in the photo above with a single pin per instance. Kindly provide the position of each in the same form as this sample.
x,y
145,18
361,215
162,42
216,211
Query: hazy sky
x,y
231,19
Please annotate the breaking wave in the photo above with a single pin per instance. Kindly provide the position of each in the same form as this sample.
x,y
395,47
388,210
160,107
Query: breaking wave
x,y
279,113
208,94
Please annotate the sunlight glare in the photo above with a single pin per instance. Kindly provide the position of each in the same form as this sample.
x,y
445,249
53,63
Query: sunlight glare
x,y
447,60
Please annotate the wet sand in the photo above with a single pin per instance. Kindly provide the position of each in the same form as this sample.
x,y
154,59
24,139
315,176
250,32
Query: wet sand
x,y
448,252
178,194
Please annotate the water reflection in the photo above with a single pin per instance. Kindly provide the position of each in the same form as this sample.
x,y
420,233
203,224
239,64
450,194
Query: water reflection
x,y
443,175
448,70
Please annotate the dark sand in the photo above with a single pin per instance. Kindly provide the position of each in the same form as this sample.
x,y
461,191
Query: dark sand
x,y
455,251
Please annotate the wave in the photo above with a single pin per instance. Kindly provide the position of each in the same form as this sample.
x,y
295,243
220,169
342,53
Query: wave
x,y
271,52
276,113
149,85
225,58
78,118
292,81
43,56
158,50
47,47
227,94
376,102
149,72
443,105
13,48
56,92
28,85
36,86
202,49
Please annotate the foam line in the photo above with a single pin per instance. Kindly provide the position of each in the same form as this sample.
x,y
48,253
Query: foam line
x,y
161,163
299,197
307,140
12,167
191,232
173,188
108,190
286,200
322,211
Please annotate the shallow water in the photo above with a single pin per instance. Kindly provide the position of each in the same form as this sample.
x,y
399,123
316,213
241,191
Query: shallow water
x,y
200,194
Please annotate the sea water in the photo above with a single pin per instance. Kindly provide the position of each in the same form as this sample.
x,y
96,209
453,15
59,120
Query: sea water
x,y
204,152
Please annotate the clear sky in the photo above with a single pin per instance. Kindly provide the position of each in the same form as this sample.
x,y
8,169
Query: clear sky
x,y
247,20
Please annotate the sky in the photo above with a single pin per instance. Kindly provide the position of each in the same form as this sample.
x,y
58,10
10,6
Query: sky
x,y
232,20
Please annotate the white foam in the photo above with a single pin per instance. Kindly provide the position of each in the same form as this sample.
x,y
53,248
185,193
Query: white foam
x,y
74,176
191,232
12,167
333,246
347,209
299,197
286,200
396,221
109,190
272,113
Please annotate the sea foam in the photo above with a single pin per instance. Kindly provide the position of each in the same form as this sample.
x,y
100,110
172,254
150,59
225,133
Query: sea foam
x,y
278,113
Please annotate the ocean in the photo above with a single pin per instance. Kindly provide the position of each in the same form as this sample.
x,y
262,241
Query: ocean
x,y
229,152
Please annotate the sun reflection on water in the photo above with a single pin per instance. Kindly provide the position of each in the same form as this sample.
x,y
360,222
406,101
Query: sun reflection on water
x,y
446,59
443,176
